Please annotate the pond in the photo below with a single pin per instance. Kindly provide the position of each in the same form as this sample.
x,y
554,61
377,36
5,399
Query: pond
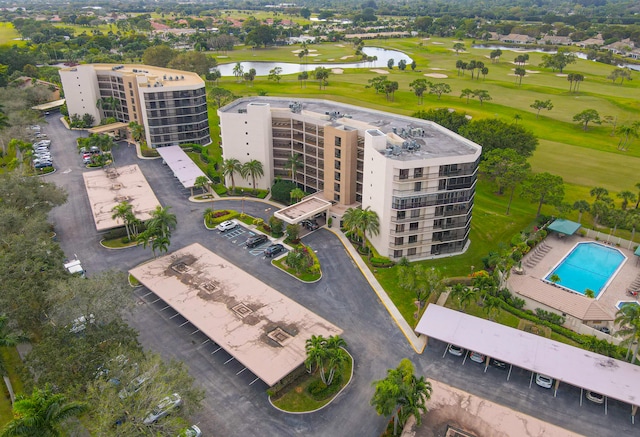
x,y
263,68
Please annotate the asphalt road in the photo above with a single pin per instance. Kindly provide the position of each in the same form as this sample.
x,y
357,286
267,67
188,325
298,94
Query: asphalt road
x,y
236,404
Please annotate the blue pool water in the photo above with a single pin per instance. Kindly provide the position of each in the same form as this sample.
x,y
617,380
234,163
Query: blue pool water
x,y
588,266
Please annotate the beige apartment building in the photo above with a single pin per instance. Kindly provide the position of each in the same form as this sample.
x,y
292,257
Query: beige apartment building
x,y
417,176
170,104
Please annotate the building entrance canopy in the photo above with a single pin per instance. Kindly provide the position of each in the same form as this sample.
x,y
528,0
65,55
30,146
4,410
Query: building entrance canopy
x,y
307,208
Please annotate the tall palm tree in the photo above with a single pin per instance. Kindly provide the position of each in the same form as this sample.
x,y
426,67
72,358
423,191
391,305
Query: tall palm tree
x,y
230,167
41,414
316,352
370,223
238,71
137,131
581,206
202,182
416,395
254,169
293,164
336,356
351,220
296,194
627,197
628,319
162,221
123,211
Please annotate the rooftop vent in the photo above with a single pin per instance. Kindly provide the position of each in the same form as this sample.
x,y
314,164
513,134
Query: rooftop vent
x,y
180,267
210,287
279,336
241,310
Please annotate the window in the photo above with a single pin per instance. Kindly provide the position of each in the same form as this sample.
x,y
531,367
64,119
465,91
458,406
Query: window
x,y
417,186
336,176
397,254
415,213
336,197
413,239
413,226
442,184
404,174
336,165
338,142
399,241
400,228
336,187
338,153
417,172
411,251
401,215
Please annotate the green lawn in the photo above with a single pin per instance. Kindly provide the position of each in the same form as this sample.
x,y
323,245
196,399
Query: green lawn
x,y
8,34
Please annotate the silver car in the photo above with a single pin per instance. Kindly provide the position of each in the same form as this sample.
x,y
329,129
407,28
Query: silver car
x,y
164,408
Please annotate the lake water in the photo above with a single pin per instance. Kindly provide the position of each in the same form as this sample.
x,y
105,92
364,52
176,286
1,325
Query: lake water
x,y
263,68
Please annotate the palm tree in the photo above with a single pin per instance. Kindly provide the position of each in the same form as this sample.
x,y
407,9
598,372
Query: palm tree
x,y
161,244
254,169
363,221
137,131
8,338
419,391
201,182
638,196
230,167
628,319
321,75
316,352
335,356
626,134
492,306
581,206
293,164
238,71
627,197
162,222
296,194
599,192
41,414
123,210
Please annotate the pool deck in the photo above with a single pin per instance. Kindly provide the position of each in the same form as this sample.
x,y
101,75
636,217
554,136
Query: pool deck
x,y
530,284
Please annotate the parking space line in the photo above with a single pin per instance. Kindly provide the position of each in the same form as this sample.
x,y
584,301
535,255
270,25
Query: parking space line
x,y
241,371
251,383
184,324
206,341
197,330
229,360
168,306
145,295
156,300
216,350
175,315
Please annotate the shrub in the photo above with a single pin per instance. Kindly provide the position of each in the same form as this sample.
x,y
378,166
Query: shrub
x,y
280,191
276,225
319,391
381,262
550,316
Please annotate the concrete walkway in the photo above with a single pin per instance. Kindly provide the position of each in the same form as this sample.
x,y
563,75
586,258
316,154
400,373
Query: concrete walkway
x,y
418,343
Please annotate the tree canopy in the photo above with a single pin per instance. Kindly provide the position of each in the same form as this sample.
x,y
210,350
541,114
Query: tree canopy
x,y
492,133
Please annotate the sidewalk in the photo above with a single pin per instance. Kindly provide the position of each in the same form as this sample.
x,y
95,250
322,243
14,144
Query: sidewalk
x,y
418,343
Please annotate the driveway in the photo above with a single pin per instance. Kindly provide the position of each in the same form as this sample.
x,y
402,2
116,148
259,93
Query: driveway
x,y
233,406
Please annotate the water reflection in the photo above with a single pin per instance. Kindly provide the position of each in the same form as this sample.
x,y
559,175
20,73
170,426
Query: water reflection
x,y
263,68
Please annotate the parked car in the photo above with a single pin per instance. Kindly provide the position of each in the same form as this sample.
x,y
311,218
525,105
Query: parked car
x,y
226,226
163,409
544,381
256,240
476,357
134,386
43,164
595,397
273,250
311,225
192,431
80,324
456,350
498,364
45,143
605,330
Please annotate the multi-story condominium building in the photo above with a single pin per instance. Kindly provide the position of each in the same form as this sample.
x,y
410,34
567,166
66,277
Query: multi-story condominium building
x,y
170,104
417,176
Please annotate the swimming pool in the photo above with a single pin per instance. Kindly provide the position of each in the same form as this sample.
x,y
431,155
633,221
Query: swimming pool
x,y
588,266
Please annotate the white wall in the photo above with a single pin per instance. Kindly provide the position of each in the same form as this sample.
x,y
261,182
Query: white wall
x,y
247,136
81,91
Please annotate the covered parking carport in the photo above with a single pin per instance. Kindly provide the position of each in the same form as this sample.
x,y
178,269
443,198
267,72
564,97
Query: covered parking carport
x,y
578,367
181,165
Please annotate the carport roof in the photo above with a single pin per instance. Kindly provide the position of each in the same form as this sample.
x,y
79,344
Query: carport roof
x,y
260,327
49,105
613,378
107,188
304,209
182,166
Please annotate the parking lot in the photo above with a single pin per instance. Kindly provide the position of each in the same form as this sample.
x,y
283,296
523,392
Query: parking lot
x,y
232,406
237,238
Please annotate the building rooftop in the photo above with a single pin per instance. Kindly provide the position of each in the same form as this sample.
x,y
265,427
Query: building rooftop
x,y
408,138
165,77
260,327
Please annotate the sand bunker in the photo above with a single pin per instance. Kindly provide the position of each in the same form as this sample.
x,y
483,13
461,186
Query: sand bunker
x,y
436,75
438,43
437,69
426,39
313,54
562,75
339,45
347,57
380,71
222,56
458,51
337,70
532,71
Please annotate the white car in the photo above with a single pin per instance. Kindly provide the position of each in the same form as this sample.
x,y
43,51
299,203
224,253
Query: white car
x,y
595,397
163,409
192,431
476,357
544,381
226,226
456,350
